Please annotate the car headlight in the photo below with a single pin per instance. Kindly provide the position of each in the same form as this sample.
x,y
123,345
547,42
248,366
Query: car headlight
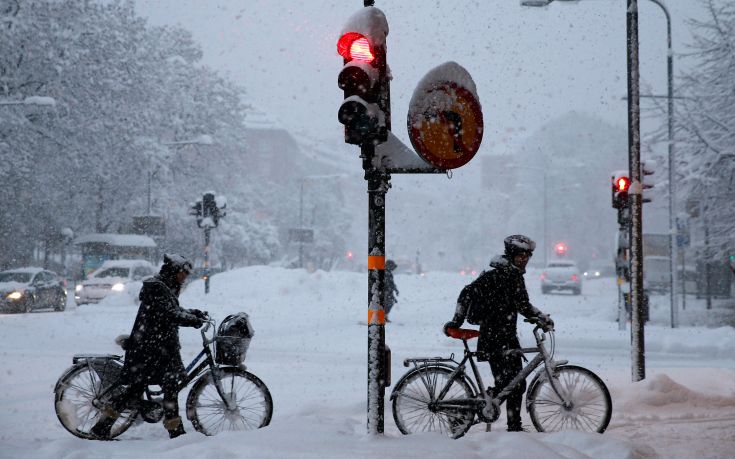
x,y
78,288
118,287
15,295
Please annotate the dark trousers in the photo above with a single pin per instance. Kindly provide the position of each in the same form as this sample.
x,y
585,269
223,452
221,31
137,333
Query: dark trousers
x,y
504,369
127,396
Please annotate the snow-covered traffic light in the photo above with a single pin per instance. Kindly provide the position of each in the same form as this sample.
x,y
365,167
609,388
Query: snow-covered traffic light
x,y
365,80
620,187
648,168
197,210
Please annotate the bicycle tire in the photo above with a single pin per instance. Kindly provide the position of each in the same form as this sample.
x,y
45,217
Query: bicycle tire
x,y
74,394
591,405
414,392
207,411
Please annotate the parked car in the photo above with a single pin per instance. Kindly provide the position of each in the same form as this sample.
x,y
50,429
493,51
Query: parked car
x,y
561,275
114,277
26,289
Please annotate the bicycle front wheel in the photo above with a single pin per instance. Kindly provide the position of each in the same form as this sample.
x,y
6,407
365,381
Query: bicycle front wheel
x,y
76,394
208,412
414,397
588,405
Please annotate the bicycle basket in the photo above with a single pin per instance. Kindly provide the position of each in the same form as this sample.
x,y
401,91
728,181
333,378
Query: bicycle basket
x,y
233,339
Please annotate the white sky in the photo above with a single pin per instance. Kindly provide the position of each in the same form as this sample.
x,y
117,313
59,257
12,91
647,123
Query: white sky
x,y
530,64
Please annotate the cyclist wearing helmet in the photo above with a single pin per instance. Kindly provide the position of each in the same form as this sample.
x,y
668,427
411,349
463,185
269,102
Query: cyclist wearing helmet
x,y
497,296
152,352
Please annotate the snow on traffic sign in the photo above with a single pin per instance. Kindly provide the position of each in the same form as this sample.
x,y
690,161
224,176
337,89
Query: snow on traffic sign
x,y
445,117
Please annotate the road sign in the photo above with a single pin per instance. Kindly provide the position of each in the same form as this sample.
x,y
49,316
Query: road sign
x,y
445,122
304,235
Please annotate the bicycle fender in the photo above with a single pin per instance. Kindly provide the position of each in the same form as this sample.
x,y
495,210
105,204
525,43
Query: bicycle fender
x,y
462,374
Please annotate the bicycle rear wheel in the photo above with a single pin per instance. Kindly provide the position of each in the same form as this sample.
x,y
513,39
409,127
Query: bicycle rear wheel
x,y
589,405
413,398
208,412
76,393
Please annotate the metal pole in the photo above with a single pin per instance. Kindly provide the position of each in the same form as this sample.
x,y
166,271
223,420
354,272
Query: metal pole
x,y
707,266
206,259
546,223
672,218
636,228
377,187
301,224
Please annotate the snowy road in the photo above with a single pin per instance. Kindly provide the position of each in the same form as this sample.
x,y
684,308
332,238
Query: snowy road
x,y
310,350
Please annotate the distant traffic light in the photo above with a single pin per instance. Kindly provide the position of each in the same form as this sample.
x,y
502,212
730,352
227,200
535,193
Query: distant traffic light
x,y
365,111
560,248
620,187
197,210
648,168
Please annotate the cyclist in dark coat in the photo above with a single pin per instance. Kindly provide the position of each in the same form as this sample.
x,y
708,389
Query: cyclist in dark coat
x,y
497,296
152,352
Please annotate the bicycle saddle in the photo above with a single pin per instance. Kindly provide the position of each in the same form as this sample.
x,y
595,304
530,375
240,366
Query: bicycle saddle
x,y
462,333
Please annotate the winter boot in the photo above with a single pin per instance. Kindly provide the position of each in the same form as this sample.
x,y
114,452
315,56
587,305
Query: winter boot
x,y
101,430
174,426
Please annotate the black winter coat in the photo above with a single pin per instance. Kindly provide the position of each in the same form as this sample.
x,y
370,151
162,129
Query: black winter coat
x,y
500,294
153,349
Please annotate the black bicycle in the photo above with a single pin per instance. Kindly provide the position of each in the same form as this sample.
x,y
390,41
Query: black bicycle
x,y
224,395
439,395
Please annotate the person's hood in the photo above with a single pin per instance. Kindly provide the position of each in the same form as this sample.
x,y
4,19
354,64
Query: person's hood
x,y
502,262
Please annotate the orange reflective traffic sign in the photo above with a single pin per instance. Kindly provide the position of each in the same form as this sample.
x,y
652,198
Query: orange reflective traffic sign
x,y
445,118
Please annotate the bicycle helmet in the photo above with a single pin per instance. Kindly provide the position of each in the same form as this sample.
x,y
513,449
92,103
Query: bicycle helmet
x,y
519,243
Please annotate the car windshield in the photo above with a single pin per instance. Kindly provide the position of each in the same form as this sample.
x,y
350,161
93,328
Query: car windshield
x,y
15,277
113,272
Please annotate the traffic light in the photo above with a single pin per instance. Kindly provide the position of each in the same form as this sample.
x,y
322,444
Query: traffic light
x,y
219,209
365,111
620,187
648,168
197,209
560,248
210,206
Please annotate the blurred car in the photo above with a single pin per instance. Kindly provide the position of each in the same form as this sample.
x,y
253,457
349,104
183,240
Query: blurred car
x,y
26,289
114,277
561,275
598,270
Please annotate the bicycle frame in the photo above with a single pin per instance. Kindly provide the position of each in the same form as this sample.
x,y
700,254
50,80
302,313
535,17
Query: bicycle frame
x,y
477,403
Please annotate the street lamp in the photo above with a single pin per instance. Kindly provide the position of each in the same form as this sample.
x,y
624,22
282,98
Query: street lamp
x,y
671,164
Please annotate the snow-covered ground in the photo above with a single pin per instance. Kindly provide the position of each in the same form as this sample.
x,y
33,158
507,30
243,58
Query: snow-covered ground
x,y
310,350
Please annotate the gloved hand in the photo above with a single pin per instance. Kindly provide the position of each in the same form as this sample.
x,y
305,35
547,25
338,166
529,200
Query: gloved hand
x,y
204,315
450,324
546,323
199,322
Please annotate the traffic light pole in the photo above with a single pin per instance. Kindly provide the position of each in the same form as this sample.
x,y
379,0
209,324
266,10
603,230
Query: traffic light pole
x,y
636,228
206,259
378,184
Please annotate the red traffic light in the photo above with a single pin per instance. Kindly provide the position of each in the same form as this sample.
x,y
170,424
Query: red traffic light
x,y
622,184
560,248
353,46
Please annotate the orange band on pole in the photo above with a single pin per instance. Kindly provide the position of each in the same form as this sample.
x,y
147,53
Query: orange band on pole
x,y
376,316
376,261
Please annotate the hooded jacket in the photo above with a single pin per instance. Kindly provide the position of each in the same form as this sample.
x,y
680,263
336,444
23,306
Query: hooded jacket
x,y
153,348
500,294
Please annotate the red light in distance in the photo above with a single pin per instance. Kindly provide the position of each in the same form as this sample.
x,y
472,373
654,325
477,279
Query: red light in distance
x,y
560,248
353,46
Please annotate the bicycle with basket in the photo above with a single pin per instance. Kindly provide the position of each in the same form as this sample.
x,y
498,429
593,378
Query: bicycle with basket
x,y
224,396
